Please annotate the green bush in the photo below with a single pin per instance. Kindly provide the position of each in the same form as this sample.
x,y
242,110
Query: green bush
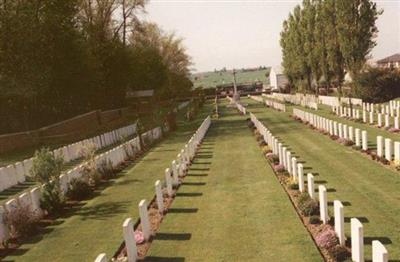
x,y
45,166
314,220
377,85
78,189
307,205
52,199
339,253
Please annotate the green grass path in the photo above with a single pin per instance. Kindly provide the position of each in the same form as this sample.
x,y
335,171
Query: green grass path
x,y
231,207
367,189
96,226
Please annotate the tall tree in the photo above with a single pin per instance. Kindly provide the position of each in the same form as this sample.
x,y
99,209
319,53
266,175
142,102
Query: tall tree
x,y
356,31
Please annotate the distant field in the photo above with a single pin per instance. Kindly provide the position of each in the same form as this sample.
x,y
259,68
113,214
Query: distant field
x,y
212,79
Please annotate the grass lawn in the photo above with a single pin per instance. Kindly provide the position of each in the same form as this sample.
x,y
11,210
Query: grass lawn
x,y
231,207
96,226
368,190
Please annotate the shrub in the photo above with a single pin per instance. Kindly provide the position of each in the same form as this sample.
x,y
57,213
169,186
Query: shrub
x,y
307,205
314,220
91,174
45,166
339,253
250,124
394,130
21,222
293,184
78,189
279,168
52,199
88,151
377,85
262,143
327,239
106,169
266,150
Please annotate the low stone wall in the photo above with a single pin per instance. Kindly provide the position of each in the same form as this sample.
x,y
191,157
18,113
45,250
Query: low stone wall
x,y
66,131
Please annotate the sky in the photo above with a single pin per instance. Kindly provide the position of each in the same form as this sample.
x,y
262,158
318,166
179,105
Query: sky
x,y
246,33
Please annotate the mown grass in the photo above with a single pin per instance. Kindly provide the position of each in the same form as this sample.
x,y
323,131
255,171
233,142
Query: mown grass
x,y
95,226
231,206
368,190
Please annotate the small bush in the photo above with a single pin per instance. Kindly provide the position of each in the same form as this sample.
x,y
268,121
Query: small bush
x,y
52,199
266,150
78,189
307,205
340,253
262,143
45,166
279,168
106,169
21,222
292,184
394,130
250,124
314,220
327,239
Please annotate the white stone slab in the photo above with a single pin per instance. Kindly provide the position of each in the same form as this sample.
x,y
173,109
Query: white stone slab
x,y
323,204
129,237
339,221
357,240
144,219
310,185
379,252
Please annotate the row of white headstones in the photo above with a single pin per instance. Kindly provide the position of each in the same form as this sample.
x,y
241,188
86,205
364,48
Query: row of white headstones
x,y
31,199
383,119
388,109
385,146
297,99
270,103
359,137
16,173
178,169
379,252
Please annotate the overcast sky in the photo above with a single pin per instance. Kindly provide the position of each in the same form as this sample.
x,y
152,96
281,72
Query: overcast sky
x,y
245,33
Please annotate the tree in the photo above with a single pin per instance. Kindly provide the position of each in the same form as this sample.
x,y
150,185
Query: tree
x,y
356,31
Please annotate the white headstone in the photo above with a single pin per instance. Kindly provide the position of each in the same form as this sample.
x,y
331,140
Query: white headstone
x,y
379,252
371,117
397,152
388,149
339,221
379,146
357,139
323,204
345,134
168,181
294,168
129,237
159,196
289,161
101,258
380,120
310,185
364,140
300,175
144,219
357,240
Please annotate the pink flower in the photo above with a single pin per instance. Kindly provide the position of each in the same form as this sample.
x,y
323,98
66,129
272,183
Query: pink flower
x,y
394,130
139,237
279,168
327,239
